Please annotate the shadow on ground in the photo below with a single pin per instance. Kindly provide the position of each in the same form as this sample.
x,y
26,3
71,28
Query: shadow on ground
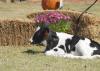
x,y
29,51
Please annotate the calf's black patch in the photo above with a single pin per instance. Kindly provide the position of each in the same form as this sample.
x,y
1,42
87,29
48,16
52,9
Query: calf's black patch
x,y
70,43
96,52
67,44
52,40
94,44
56,50
62,47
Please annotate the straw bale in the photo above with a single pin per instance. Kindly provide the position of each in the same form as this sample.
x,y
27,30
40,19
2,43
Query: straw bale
x,y
15,32
18,31
88,23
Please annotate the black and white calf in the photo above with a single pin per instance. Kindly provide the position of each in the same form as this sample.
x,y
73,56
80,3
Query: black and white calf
x,y
65,45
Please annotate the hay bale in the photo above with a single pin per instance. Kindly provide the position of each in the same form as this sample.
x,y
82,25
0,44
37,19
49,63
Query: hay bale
x,y
15,32
88,23
18,32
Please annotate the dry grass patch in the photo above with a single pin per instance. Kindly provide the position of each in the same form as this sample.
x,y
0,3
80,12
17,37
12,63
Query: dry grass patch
x,y
12,58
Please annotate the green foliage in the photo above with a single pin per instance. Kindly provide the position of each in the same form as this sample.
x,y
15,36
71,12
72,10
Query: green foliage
x,y
61,26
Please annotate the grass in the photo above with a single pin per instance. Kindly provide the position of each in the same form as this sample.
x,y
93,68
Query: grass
x,y
17,10
81,7
30,58
21,10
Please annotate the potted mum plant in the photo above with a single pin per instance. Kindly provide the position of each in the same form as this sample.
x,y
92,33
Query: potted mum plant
x,y
56,21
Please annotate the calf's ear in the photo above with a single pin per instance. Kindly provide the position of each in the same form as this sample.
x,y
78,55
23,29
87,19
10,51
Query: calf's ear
x,y
46,31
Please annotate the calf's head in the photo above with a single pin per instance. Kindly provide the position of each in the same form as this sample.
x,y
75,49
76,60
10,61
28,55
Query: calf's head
x,y
40,35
